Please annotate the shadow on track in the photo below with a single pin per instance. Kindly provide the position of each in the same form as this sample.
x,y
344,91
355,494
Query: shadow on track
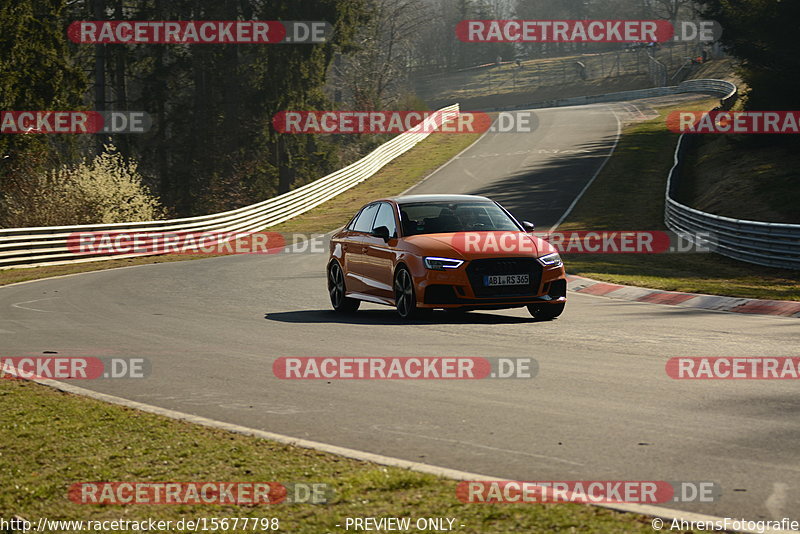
x,y
542,192
389,317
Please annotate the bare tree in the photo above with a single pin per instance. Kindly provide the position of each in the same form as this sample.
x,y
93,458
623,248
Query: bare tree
x,y
375,73
672,10
436,46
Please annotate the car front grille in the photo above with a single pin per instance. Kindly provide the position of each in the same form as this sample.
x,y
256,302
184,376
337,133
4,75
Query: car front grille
x,y
477,269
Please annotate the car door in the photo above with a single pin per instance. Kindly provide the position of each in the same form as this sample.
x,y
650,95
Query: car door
x,y
354,244
379,254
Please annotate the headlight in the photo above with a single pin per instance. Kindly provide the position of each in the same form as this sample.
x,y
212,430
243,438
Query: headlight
x,y
440,264
551,260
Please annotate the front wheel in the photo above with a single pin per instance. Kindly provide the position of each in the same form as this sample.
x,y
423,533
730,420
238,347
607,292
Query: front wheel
x,y
546,312
405,297
336,289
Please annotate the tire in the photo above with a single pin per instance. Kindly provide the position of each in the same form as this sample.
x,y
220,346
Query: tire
x,y
405,297
337,290
546,312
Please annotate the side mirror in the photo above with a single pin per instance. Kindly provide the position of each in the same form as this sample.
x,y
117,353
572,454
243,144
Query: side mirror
x,y
529,226
382,232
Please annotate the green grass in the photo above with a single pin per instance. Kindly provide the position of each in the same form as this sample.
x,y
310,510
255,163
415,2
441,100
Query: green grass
x,y
629,195
393,179
52,440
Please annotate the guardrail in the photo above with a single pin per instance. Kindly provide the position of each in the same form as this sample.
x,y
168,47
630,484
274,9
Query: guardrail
x,y
714,87
32,247
761,243
727,91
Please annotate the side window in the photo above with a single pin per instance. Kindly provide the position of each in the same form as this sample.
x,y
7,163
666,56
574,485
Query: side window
x,y
364,221
386,218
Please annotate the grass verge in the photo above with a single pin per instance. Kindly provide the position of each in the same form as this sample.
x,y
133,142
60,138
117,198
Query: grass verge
x,y
629,195
393,179
53,440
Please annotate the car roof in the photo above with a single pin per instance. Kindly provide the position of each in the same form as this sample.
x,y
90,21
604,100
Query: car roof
x,y
408,199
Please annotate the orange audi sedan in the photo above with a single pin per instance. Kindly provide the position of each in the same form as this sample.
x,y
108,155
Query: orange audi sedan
x,y
451,252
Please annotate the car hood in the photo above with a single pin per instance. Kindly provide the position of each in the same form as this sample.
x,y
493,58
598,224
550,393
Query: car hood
x,y
476,245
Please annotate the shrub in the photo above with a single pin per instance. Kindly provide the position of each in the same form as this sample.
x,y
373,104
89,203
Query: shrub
x,y
107,189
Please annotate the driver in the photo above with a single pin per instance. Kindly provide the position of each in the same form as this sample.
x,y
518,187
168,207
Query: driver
x,y
472,218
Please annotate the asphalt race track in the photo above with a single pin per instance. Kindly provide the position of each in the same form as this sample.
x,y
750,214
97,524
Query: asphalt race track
x,y
536,175
601,408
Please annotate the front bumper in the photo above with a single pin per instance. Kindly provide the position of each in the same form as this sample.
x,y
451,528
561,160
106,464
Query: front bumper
x,y
464,288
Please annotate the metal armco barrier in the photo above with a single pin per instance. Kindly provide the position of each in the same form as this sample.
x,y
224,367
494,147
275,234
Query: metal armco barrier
x,y
761,243
32,247
726,90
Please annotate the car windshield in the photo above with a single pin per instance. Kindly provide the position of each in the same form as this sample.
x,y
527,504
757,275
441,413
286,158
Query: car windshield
x,y
449,217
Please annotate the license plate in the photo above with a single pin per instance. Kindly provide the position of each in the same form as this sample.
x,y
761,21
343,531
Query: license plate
x,y
507,280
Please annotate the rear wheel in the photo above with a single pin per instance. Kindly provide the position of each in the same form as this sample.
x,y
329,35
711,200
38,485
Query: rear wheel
x,y
405,297
546,312
337,290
